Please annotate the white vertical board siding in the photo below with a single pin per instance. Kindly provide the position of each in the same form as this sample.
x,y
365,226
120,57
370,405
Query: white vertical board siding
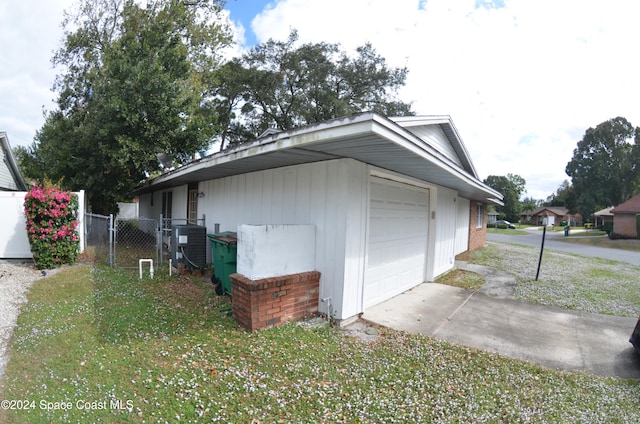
x,y
462,226
323,194
146,209
355,205
446,217
436,138
179,198
6,177
179,206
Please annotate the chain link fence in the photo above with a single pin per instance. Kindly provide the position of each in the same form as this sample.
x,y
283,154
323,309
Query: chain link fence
x,y
122,242
97,236
135,239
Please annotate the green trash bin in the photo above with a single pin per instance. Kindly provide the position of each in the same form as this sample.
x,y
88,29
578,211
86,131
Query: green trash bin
x,y
224,249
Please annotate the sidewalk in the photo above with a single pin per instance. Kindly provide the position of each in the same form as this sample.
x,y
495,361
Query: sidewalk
x,y
552,337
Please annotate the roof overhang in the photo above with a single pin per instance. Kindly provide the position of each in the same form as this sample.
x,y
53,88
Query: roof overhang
x,y
366,137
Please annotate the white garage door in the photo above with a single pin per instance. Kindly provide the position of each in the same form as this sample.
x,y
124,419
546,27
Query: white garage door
x,y
397,243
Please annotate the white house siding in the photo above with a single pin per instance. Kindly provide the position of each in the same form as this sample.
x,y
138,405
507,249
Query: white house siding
x,y
462,226
334,197
446,229
324,194
7,181
153,209
435,137
179,207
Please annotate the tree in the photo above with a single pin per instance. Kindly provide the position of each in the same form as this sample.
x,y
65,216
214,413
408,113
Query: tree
x,y
278,85
529,203
564,196
132,89
512,186
604,168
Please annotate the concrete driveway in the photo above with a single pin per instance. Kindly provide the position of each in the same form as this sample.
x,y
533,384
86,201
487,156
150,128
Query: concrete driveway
x,y
491,320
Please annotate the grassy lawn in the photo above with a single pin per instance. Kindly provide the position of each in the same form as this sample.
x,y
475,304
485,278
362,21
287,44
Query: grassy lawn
x,y
507,231
99,345
568,281
630,244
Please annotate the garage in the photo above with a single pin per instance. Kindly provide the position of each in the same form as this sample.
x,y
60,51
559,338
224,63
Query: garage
x,y
397,239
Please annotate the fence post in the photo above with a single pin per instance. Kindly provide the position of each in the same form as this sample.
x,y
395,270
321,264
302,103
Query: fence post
x,y
82,217
111,240
159,255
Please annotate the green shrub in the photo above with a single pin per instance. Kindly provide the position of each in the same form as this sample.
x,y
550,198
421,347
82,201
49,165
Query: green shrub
x,y
607,227
51,226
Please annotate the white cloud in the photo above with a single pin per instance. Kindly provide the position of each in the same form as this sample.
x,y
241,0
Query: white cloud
x,y
29,33
522,82
542,70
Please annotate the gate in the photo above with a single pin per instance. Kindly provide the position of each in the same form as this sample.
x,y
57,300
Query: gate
x,y
135,239
122,242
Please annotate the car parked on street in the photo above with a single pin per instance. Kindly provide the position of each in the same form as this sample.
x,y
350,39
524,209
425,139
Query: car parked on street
x,y
501,222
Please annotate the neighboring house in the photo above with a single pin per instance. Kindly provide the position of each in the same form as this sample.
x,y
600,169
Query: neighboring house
x,y
492,216
13,237
10,176
603,216
392,200
624,217
551,215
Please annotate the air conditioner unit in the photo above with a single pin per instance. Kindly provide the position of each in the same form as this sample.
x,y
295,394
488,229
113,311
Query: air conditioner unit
x,y
189,246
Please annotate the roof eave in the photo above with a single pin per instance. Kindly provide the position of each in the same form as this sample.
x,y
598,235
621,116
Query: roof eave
x,y
337,139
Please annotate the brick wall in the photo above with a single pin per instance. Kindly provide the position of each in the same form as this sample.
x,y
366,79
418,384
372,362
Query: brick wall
x,y
269,302
477,236
625,224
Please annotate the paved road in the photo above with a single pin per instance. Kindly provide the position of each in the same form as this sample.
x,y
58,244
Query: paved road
x,y
553,242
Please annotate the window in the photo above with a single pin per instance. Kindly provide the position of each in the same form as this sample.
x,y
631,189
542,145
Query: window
x,y
192,204
479,215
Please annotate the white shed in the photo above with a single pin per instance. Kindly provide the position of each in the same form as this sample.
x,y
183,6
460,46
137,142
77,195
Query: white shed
x,y
393,200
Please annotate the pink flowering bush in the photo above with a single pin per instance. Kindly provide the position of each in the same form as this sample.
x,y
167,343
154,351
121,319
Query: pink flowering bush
x,y
51,226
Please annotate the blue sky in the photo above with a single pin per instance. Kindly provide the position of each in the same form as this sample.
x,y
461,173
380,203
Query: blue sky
x,y
244,11
521,79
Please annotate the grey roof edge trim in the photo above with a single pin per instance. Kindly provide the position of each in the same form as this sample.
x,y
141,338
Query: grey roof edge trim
x,y
349,125
413,143
13,165
272,142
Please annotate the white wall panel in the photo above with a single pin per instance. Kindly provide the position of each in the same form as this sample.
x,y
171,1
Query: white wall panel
x,y
436,138
446,215
462,226
322,194
14,242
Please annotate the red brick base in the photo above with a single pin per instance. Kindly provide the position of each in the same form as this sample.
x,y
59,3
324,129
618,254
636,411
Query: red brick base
x,y
269,302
